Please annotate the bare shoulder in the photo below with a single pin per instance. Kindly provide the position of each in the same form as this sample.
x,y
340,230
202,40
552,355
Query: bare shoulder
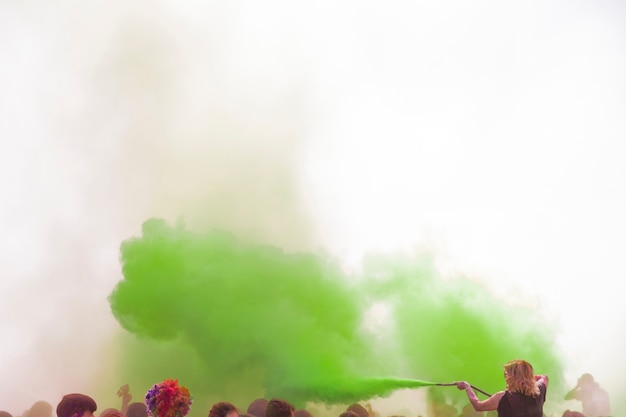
x,y
492,402
498,394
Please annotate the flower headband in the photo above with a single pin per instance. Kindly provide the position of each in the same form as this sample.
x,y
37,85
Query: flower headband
x,y
168,399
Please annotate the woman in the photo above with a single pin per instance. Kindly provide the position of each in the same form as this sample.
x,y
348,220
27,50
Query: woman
x,y
524,395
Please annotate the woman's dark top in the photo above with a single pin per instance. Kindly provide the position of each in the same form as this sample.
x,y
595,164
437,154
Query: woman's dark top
x,y
515,404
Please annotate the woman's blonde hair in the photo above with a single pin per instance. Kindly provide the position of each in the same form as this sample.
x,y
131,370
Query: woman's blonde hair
x,y
521,378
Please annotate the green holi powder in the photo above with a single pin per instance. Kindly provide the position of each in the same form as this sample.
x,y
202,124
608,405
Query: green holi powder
x,y
241,308
456,330
332,390
235,321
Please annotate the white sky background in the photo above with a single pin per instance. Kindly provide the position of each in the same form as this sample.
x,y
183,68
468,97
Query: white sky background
x,y
491,132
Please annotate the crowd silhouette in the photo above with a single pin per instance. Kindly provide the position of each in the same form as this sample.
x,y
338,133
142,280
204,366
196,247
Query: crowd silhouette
x,y
593,400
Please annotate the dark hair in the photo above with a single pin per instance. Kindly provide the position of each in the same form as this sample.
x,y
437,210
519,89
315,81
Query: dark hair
x,y
569,413
257,407
358,409
279,408
348,413
137,409
221,409
72,404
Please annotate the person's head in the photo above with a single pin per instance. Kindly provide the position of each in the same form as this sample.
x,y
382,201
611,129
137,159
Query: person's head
x,y
76,405
348,414
520,377
137,409
358,409
5,414
257,407
111,412
168,399
223,409
569,413
586,380
39,409
279,408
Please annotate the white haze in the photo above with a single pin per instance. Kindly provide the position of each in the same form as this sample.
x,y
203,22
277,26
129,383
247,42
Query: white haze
x,y
492,132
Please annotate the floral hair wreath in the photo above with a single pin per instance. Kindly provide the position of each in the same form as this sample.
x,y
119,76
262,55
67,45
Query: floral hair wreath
x,y
168,399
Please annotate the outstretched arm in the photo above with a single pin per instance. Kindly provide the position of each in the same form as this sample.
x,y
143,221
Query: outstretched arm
x,y
126,397
573,394
489,404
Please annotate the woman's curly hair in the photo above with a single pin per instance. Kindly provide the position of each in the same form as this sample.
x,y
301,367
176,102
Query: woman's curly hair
x,y
521,378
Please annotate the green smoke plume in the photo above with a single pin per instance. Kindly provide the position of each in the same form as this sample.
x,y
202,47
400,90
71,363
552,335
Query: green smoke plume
x,y
236,321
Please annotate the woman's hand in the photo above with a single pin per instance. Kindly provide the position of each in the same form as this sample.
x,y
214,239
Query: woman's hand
x,y
542,378
462,385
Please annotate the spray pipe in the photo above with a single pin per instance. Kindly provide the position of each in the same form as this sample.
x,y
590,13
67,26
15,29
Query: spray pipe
x,y
453,384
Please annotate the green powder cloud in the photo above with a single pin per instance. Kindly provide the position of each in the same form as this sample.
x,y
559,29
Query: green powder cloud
x,y
236,321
